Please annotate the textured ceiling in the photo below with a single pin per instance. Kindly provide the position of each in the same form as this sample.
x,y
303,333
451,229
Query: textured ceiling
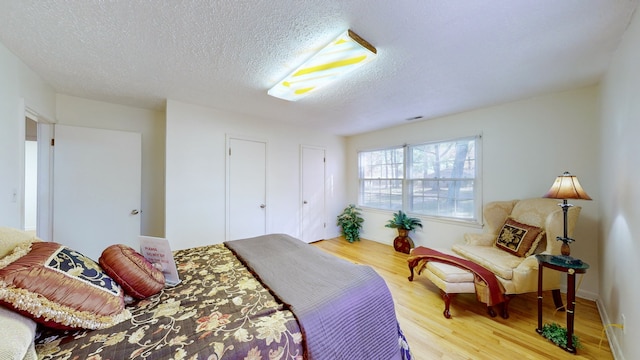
x,y
434,57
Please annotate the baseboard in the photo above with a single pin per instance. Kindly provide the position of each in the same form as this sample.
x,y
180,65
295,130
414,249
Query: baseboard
x,y
583,294
611,334
589,295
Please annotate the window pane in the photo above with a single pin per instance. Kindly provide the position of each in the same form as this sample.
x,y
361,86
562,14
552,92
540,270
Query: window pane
x,y
386,164
452,159
439,198
381,173
442,178
381,194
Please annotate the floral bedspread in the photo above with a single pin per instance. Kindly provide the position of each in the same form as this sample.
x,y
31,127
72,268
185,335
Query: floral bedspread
x,y
218,311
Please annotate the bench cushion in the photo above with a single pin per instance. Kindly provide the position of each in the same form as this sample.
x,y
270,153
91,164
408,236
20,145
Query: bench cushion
x,y
450,273
450,279
495,260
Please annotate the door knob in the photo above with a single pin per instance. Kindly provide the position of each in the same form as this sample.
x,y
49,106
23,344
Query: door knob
x,y
135,212
305,202
262,206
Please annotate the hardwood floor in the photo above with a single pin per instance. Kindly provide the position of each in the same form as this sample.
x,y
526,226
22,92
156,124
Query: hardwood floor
x,y
470,333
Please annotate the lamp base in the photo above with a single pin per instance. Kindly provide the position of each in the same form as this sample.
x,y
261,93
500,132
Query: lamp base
x,y
565,249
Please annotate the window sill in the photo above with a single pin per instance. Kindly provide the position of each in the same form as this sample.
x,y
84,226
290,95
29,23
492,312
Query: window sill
x,y
459,222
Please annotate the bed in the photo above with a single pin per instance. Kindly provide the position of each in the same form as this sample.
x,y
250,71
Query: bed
x,y
269,297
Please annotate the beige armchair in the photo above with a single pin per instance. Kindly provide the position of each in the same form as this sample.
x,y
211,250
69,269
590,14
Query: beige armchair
x,y
520,274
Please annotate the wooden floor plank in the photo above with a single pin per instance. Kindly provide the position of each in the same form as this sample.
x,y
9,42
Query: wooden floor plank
x,y
470,333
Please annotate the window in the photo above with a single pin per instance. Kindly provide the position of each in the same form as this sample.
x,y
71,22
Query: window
x,y
381,175
435,179
441,179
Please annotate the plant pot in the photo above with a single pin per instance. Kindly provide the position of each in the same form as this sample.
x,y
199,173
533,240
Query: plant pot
x,y
403,242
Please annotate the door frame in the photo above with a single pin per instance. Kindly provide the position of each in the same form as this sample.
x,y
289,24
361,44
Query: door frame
x,y
46,134
227,190
324,188
44,221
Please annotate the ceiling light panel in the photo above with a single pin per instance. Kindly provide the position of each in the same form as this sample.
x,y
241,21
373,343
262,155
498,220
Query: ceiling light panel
x,y
344,54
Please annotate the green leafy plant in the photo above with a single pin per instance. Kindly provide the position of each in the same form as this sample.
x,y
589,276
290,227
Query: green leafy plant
x,y
402,221
351,223
558,335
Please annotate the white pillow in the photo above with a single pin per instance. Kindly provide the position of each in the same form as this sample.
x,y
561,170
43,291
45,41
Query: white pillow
x,y
17,333
10,238
14,243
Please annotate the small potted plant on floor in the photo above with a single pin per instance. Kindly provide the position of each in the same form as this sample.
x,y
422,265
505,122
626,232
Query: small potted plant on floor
x,y
404,224
351,223
558,335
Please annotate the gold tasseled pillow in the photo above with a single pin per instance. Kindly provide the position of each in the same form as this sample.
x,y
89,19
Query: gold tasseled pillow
x,y
132,271
61,288
518,238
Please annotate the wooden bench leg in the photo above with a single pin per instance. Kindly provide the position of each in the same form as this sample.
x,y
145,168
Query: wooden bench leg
x,y
447,302
505,307
412,264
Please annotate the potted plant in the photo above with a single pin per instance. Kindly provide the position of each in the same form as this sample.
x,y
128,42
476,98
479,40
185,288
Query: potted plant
x,y
558,335
351,223
404,224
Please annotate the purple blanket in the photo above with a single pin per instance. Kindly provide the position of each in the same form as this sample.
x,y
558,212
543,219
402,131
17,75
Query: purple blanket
x,y
345,310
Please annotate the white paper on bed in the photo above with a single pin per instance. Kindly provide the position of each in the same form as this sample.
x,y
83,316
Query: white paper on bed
x,y
158,251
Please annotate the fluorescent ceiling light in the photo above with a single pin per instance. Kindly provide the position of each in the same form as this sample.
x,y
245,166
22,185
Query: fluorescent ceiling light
x,y
347,52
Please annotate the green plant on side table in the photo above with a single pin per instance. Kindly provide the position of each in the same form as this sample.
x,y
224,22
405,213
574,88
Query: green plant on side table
x,y
351,223
558,335
404,224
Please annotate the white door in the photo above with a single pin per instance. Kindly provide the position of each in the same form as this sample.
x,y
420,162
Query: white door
x,y
313,195
246,188
96,188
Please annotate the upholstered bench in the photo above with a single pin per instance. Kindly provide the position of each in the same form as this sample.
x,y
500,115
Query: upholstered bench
x,y
450,279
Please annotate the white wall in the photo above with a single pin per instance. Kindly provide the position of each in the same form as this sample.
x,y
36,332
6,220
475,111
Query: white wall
x,y
196,144
525,145
151,124
19,87
620,204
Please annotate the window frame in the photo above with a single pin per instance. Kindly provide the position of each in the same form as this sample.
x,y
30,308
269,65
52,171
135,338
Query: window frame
x,y
407,181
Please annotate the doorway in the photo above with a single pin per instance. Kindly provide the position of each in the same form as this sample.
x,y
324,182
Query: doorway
x,y
97,188
246,188
313,193
35,184
30,185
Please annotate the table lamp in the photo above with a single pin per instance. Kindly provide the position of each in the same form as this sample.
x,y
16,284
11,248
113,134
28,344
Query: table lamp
x,y
566,186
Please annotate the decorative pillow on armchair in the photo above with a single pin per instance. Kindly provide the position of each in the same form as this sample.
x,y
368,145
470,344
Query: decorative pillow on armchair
x,y
61,288
519,239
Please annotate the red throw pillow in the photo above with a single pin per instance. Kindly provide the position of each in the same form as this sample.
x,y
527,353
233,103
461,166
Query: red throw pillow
x,y
61,288
137,276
